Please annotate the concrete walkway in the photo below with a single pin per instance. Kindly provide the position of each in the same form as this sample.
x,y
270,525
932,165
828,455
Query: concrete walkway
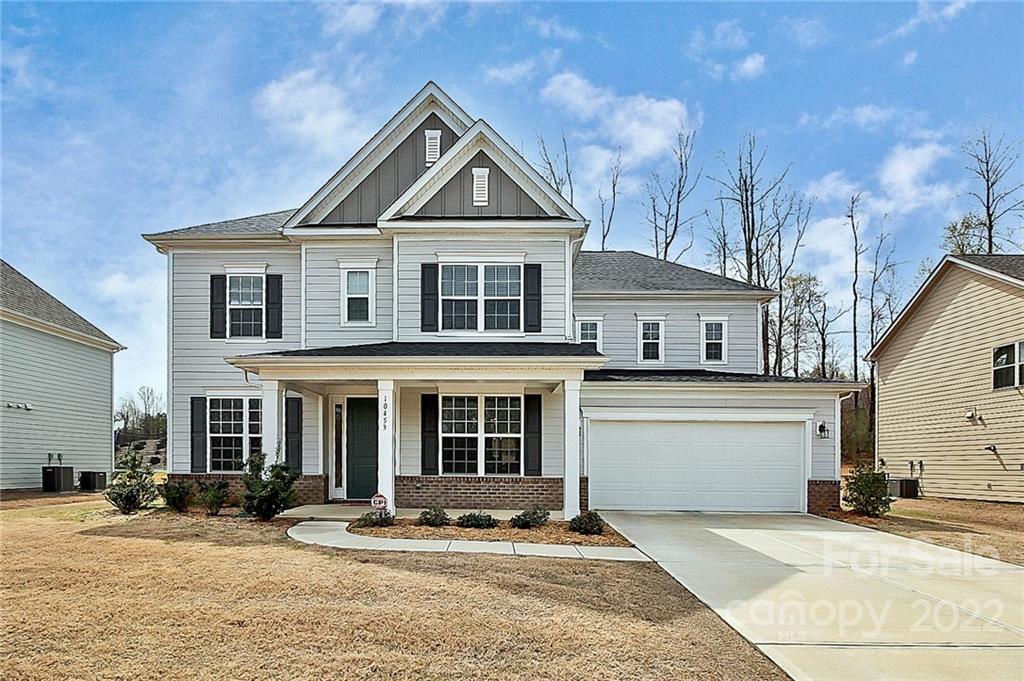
x,y
336,535
830,601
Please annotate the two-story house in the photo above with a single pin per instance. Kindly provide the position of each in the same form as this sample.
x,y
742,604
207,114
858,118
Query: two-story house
x,y
425,326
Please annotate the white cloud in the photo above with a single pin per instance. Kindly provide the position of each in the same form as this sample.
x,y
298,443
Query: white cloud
x,y
905,178
749,67
871,117
552,29
806,33
523,70
136,308
725,36
350,18
834,186
909,57
926,15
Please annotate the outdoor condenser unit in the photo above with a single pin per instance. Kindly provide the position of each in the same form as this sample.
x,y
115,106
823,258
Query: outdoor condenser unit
x,y
92,481
58,478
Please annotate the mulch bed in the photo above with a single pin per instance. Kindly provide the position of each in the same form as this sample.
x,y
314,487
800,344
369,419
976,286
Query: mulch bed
x,y
554,532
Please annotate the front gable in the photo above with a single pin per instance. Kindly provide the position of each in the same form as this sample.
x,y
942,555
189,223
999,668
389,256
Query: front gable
x,y
506,197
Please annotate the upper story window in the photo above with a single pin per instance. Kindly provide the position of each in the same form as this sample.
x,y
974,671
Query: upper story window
x,y
358,293
502,291
480,190
650,345
590,330
714,340
496,449
235,431
1008,366
433,146
500,297
245,306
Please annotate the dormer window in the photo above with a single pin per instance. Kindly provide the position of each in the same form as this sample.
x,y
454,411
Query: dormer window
x,y
433,149
480,197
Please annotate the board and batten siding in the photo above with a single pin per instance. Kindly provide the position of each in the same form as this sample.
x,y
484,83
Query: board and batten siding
x,y
197,361
70,388
682,330
936,367
823,451
505,197
323,294
548,252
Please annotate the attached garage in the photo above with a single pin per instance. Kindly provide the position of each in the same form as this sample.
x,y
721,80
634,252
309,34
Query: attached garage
x,y
683,463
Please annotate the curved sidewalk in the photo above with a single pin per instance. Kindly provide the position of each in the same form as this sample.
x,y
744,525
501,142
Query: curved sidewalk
x,y
336,535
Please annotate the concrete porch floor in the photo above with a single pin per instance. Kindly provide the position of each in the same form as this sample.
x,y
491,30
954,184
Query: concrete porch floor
x,y
349,512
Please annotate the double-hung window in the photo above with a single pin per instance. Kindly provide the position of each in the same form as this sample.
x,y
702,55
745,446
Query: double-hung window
x,y
502,292
460,429
235,431
499,296
1008,366
590,330
503,421
496,449
358,293
714,340
459,293
245,305
650,339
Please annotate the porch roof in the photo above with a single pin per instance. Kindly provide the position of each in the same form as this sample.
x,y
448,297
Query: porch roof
x,y
443,349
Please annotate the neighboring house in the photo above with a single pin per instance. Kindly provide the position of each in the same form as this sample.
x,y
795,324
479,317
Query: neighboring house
x,y
56,385
950,373
426,327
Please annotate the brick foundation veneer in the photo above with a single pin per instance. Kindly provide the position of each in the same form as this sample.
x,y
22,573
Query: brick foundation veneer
x,y
312,489
822,496
504,493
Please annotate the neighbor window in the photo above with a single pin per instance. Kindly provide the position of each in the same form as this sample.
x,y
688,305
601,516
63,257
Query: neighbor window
x,y
1008,365
358,293
245,306
590,331
650,341
714,340
500,296
235,431
496,449
433,146
480,192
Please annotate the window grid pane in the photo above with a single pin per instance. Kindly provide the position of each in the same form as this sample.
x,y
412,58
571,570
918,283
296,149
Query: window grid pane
x,y
650,350
459,415
226,417
247,322
502,456
503,415
713,351
459,455
651,331
588,331
358,283
1003,356
226,453
458,314
713,331
501,281
245,290
358,309
501,315
255,416
458,281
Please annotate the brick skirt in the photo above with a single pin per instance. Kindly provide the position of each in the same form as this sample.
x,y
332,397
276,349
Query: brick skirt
x,y
312,489
505,493
822,496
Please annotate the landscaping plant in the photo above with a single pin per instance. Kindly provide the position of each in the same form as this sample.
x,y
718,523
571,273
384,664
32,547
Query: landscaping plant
x,y
268,492
535,517
177,495
588,522
435,516
478,520
867,490
212,496
133,488
375,519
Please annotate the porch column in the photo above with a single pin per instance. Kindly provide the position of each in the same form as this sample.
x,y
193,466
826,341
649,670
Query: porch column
x,y
271,420
385,441
571,479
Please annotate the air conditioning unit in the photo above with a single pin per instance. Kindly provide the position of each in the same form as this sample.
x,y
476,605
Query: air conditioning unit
x,y
58,478
92,481
904,488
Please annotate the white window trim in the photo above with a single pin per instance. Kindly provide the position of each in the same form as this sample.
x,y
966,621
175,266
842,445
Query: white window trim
x,y
245,271
480,435
480,297
369,266
431,136
245,435
477,174
660,321
715,319
1017,364
600,330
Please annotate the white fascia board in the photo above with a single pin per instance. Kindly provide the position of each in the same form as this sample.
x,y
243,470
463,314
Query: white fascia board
x,y
459,121
722,390
59,331
620,295
298,233
371,362
696,414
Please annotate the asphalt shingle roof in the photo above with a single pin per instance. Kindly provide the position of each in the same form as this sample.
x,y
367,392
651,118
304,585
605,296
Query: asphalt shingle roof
x,y
441,349
263,224
21,295
631,272
692,376
1010,265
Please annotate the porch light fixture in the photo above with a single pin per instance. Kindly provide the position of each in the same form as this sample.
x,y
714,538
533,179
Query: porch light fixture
x,y
823,432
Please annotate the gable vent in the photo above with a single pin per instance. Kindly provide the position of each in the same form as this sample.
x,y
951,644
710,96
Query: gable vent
x,y
480,186
433,145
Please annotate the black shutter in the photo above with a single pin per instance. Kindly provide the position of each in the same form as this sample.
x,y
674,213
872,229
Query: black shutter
x,y
531,434
218,306
531,299
273,294
428,435
293,433
428,297
198,430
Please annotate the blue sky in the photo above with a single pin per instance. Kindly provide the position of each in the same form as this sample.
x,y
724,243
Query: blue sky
x,y
120,119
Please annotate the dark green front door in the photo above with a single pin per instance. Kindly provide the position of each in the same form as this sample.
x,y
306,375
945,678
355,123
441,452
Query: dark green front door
x,y
361,447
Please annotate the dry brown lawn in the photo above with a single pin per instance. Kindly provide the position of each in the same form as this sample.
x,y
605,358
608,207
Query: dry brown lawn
x,y
89,595
983,527
30,498
553,532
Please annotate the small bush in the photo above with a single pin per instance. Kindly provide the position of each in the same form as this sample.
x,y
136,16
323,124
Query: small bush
x,y
588,522
535,517
212,496
267,493
434,517
867,491
132,488
177,495
478,520
375,519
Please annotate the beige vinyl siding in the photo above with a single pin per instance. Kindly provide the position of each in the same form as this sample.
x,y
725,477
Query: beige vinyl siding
x,y
69,386
938,365
323,294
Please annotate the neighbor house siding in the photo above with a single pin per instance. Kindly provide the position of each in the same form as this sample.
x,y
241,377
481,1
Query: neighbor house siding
x,y
323,294
69,386
936,367
682,330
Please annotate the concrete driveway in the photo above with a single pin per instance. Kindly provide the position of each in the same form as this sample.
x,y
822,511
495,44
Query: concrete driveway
x,y
827,600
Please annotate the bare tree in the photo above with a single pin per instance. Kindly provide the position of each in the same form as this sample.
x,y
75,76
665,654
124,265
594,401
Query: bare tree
x,y
965,236
557,168
609,203
858,250
882,302
802,292
990,161
790,215
822,320
666,199
150,401
720,249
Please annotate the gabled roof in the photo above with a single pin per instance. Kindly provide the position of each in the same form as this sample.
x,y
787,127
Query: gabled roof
x,y
612,272
1005,268
27,301
265,224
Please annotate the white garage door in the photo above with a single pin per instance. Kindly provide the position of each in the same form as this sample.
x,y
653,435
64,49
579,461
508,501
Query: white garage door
x,y
696,466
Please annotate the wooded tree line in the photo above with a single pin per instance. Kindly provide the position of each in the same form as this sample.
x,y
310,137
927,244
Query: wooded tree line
x,y
142,413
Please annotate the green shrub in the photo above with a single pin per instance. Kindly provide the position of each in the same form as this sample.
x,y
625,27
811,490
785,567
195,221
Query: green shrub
x,y
478,520
867,491
434,516
132,488
535,517
588,522
375,519
268,492
212,496
177,495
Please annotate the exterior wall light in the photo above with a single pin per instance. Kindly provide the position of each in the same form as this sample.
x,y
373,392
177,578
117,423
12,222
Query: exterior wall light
x,y
823,432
